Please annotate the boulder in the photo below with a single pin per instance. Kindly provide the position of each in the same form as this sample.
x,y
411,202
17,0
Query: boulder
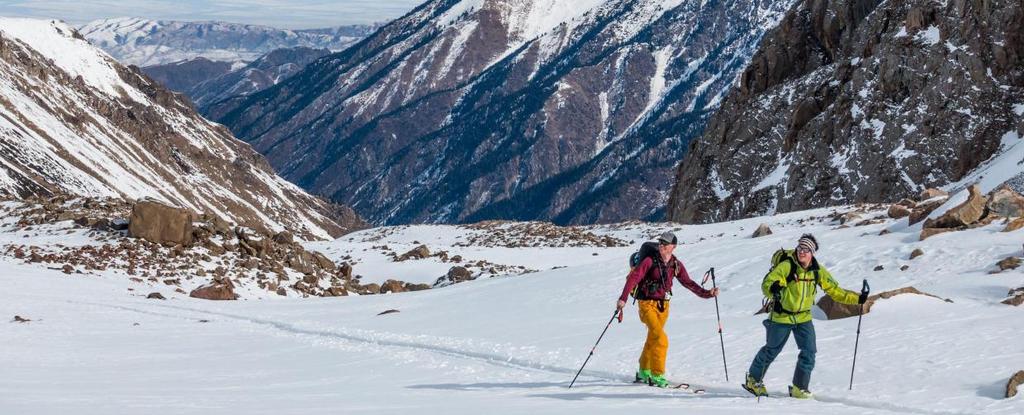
x,y
898,211
252,243
392,286
762,230
917,252
455,275
1014,225
345,271
155,296
1015,297
965,213
1011,386
419,252
1008,263
371,288
284,238
391,311
836,310
160,223
416,287
933,193
1005,202
924,209
930,232
849,217
220,291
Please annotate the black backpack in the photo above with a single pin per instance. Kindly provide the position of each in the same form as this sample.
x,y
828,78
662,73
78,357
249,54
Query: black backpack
x,y
649,285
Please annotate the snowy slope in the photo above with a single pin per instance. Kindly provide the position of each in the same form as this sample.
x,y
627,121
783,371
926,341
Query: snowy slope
x,y
73,120
510,345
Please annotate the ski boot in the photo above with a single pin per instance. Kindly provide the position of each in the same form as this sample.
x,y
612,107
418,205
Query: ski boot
x,y
755,387
642,376
796,392
657,380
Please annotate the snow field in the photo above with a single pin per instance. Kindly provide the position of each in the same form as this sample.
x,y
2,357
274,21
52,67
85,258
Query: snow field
x,y
511,344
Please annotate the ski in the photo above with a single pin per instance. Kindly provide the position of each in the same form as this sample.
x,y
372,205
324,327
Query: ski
x,y
676,385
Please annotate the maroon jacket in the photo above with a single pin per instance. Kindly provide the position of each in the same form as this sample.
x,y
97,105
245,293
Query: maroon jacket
x,y
647,265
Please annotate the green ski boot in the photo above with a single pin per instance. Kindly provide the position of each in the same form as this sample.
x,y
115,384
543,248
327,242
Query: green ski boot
x,y
796,392
755,387
643,376
657,380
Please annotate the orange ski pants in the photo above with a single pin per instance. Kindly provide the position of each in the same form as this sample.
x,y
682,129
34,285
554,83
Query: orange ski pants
x,y
656,346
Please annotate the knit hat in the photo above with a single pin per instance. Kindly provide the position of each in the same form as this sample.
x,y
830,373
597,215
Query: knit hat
x,y
667,238
808,242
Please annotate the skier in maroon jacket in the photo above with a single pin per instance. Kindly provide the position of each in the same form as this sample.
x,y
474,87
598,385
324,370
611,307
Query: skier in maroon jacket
x,y
653,294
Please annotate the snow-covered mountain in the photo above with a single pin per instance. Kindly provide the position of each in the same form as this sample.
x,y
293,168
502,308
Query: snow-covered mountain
x,y
144,42
861,100
571,111
74,121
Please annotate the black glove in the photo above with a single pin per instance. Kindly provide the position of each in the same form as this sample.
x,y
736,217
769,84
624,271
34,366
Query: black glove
x,y
863,297
775,289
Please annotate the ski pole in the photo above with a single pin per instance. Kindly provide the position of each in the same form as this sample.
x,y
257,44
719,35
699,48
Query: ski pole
x,y
864,290
618,314
721,339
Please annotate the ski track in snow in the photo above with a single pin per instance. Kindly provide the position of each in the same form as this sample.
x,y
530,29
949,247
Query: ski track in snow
x,y
498,360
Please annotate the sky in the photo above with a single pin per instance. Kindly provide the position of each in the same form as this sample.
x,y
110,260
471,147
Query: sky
x,y
285,14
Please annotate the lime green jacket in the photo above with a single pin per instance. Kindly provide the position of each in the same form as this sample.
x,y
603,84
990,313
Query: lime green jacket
x,y
798,295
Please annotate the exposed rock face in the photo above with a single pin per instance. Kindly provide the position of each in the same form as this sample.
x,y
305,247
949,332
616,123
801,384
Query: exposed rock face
x,y
263,73
917,252
145,42
859,101
162,224
78,123
1014,225
184,75
1008,263
471,110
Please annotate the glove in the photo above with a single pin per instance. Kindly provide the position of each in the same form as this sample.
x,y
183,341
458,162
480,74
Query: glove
x,y
863,297
775,289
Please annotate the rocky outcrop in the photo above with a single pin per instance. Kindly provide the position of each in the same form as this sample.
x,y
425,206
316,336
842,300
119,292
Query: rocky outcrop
x,y
975,212
859,101
160,223
110,131
470,110
419,252
836,310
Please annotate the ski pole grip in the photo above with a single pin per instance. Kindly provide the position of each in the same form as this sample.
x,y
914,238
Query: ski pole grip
x,y
866,288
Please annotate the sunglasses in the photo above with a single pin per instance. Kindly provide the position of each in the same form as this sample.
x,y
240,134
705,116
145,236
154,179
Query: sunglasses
x,y
802,250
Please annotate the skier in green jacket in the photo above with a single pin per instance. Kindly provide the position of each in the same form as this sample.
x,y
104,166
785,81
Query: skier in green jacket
x,y
792,284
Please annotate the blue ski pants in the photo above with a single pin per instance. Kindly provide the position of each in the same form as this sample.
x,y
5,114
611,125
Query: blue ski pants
x,y
777,335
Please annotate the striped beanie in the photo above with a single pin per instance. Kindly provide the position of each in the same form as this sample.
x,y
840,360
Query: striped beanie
x,y
808,242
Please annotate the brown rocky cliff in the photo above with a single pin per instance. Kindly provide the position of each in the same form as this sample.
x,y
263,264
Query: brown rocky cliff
x,y
859,101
